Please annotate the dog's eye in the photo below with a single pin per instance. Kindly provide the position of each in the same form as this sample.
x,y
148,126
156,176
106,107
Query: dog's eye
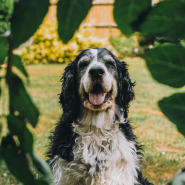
x,y
110,63
83,65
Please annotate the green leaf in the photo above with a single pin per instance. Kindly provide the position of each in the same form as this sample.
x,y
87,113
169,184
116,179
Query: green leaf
x,y
3,48
16,61
167,65
42,182
27,17
70,14
173,108
128,11
21,101
17,161
42,166
179,179
166,19
18,127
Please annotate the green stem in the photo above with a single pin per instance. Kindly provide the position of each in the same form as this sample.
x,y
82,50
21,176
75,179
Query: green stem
x,y
9,71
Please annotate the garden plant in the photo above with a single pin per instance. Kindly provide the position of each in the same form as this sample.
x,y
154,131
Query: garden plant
x,y
47,47
124,46
164,22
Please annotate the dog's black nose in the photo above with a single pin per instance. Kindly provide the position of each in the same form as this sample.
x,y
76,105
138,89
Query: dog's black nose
x,y
96,72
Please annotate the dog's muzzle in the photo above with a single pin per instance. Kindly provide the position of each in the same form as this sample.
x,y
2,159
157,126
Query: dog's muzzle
x,y
98,88
98,96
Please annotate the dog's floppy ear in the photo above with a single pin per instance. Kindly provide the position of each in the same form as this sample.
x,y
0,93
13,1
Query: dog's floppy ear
x,y
63,138
125,87
69,96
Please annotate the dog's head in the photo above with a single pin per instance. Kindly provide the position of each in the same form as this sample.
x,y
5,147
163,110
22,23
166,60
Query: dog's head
x,y
95,80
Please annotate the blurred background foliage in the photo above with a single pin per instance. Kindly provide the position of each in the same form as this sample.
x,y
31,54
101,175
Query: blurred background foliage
x,y
47,47
6,10
126,46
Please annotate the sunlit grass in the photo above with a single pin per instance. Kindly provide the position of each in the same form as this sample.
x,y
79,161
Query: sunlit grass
x,y
164,145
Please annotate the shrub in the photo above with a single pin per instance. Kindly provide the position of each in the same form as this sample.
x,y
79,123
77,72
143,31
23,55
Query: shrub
x,y
48,48
124,46
6,9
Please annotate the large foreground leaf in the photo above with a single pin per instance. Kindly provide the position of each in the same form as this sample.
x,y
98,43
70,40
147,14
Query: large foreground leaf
x,y
70,14
16,161
128,11
16,61
27,16
166,19
173,107
167,64
42,166
42,182
179,179
18,127
21,101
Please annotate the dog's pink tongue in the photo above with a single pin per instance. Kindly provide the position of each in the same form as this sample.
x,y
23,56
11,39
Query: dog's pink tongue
x,y
97,98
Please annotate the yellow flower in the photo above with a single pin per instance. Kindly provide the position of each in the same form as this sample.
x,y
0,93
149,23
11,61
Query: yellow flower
x,y
47,47
60,60
36,61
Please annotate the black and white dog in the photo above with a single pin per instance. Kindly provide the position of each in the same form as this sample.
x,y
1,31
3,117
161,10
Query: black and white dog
x,y
93,143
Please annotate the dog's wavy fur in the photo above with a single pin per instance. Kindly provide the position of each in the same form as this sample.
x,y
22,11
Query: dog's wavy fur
x,y
95,147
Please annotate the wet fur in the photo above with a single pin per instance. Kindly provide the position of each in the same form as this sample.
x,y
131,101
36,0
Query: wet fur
x,y
95,147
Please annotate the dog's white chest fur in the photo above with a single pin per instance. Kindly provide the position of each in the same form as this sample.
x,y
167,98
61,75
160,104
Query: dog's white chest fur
x,y
102,155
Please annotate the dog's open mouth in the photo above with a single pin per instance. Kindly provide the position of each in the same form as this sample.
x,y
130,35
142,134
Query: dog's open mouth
x,y
98,96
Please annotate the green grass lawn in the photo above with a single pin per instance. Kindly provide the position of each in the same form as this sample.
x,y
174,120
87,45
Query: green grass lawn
x,y
164,145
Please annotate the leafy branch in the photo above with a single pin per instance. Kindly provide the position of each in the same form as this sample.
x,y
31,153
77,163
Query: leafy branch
x,y
18,153
164,22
